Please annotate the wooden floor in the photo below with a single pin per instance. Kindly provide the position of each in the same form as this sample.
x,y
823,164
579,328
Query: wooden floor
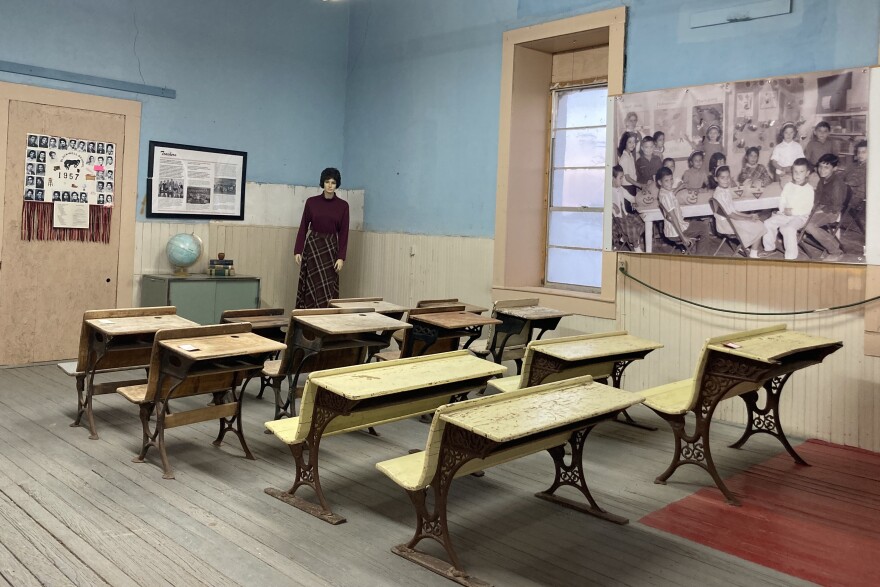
x,y
78,511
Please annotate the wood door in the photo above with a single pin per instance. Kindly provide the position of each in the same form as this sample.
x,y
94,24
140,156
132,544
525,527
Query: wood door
x,y
45,286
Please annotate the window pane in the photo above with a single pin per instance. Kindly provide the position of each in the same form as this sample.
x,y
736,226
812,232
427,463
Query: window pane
x,y
574,267
587,107
576,229
579,148
578,187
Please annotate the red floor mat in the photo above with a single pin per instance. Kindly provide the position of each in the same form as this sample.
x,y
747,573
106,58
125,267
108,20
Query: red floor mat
x,y
819,523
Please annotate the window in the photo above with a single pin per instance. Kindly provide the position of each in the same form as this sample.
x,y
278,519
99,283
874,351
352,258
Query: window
x,y
577,188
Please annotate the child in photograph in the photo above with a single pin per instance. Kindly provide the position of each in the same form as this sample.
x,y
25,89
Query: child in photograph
x,y
831,192
100,186
81,146
626,159
108,199
110,175
675,226
659,143
32,155
39,195
41,156
99,175
39,183
795,206
62,143
41,169
29,181
717,160
30,168
753,173
626,227
785,153
65,197
29,194
648,164
44,142
100,160
694,178
109,160
91,147
710,143
748,226
52,155
108,186
53,142
56,196
109,148
820,144
100,148
32,140
90,160
100,199
84,197
856,176
631,123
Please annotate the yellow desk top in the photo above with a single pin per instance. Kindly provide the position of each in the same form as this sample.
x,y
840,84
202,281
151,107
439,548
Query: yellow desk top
x,y
532,312
222,345
138,324
530,413
772,346
378,379
380,306
359,323
454,320
594,347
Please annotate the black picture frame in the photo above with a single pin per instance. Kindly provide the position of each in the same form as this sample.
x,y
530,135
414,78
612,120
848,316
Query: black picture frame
x,y
238,160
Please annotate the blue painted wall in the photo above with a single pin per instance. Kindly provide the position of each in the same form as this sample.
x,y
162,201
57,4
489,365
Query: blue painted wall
x,y
421,118
265,76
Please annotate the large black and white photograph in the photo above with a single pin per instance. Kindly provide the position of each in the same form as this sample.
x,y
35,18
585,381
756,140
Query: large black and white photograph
x,y
770,168
186,181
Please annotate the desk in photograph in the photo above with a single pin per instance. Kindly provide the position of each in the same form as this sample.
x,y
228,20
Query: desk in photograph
x,y
750,201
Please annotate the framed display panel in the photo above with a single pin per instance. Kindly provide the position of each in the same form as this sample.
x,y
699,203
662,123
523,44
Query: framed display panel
x,y
185,181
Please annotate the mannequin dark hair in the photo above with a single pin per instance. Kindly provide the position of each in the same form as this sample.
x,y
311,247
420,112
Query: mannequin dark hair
x,y
331,173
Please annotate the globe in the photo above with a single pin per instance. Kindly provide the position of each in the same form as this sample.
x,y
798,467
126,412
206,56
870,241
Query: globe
x,y
183,250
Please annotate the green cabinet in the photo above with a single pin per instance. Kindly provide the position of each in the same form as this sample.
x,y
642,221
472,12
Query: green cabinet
x,y
201,298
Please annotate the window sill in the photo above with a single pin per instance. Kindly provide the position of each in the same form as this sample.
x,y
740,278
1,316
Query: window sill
x,y
583,303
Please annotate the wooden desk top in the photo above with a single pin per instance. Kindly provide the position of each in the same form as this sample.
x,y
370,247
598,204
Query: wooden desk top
x,y
222,345
380,306
467,307
378,379
595,347
454,320
258,322
532,312
138,324
531,413
352,323
772,346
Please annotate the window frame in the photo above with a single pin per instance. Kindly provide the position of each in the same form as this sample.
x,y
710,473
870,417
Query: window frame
x,y
524,111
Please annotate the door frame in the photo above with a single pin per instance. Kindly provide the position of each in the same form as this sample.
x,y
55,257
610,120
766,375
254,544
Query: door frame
x,y
126,205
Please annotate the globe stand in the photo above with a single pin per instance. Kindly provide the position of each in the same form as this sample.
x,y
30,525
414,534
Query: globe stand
x,y
180,271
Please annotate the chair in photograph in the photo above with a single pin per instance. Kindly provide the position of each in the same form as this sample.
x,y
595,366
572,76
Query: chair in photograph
x,y
677,241
833,228
726,238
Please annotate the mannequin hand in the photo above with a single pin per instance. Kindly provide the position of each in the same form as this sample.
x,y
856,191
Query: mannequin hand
x,y
338,265
298,259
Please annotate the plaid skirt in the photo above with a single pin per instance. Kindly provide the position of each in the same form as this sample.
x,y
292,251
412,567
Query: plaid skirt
x,y
318,280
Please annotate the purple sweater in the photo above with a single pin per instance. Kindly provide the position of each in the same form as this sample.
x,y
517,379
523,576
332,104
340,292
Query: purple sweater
x,y
326,216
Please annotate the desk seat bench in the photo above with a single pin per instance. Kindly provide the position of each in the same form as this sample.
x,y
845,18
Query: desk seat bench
x,y
487,431
737,364
343,400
